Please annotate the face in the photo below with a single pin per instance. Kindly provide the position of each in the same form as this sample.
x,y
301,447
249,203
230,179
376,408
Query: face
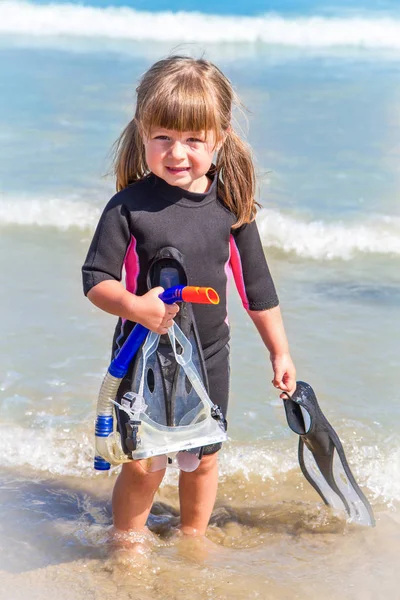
x,y
181,158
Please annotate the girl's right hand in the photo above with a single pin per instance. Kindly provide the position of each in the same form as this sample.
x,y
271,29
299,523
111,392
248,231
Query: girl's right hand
x,y
153,313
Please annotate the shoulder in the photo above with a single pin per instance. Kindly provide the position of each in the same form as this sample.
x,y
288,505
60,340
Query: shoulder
x,y
131,197
228,215
249,228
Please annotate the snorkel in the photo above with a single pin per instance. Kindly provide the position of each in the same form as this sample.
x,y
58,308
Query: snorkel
x,y
107,440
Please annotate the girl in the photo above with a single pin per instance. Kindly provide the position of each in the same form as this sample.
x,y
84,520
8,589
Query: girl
x,y
170,193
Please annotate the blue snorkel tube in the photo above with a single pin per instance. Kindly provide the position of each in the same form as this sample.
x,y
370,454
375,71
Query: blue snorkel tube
x,y
111,453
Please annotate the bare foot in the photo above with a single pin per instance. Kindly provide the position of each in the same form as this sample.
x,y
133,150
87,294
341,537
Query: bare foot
x,y
133,547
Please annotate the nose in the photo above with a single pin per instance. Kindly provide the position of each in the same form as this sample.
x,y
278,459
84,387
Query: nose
x,y
177,150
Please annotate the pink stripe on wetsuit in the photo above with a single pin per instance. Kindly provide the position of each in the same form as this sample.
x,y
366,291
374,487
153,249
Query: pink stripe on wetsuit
x,y
237,270
131,265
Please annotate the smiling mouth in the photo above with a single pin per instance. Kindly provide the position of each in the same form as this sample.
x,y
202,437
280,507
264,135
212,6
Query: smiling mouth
x,y
178,169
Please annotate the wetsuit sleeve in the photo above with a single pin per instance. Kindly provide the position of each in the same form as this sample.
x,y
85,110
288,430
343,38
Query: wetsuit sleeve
x,y
106,255
250,270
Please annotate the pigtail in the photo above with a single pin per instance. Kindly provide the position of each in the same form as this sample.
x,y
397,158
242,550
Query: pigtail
x,y
237,181
129,157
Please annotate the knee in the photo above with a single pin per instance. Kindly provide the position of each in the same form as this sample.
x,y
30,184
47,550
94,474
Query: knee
x,y
138,473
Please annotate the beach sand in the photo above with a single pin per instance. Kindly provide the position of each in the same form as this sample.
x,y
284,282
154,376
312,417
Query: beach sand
x,y
265,540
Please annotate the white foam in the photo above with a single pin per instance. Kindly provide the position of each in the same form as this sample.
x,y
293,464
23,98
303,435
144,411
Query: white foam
x,y
379,467
266,461
321,240
48,212
72,20
47,450
65,453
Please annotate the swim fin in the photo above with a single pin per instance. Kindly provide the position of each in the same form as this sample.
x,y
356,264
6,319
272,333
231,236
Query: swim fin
x,y
172,416
322,458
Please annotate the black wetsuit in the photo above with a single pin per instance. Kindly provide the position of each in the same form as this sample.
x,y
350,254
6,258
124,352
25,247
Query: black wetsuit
x,y
151,214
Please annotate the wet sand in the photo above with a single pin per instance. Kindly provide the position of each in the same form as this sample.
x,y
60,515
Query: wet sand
x,y
261,543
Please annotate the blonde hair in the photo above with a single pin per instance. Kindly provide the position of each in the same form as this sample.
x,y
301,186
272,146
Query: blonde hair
x,y
186,94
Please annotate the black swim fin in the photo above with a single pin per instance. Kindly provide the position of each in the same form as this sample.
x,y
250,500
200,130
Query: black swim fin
x,y
170,399
321,456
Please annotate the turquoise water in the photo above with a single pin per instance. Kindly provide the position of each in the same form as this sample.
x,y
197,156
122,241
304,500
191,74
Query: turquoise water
x,y
254,7
324,123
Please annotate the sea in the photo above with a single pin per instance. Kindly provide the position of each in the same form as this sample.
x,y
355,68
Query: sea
x,y
321,85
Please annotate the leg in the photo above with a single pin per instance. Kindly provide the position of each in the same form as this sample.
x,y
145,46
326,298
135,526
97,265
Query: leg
x,y
197,493
198,490
133,495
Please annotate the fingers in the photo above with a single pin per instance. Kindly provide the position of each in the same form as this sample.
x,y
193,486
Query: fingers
x,y
157,291
289,392
172,310
277,380
285,379
155,314
289,380
289,387
170,314
165,325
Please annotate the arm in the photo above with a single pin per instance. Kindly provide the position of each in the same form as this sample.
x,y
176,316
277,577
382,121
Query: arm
x,y
259,298
270,327
148,310
102,272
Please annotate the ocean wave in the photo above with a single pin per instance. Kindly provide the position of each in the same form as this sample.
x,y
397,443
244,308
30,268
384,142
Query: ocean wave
x,y
318,240
321,240
49,212
64,453
74,20
47,450
384,477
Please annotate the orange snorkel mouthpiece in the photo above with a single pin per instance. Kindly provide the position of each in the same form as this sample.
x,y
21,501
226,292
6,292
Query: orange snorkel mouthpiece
x,y
200,295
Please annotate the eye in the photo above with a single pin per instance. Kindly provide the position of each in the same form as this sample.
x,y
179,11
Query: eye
x,y
161,137
193,140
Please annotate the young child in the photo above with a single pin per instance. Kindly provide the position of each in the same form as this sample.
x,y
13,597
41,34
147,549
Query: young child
x,y
172,193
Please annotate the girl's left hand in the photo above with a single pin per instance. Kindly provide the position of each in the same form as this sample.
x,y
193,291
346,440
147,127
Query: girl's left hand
x,y
284,373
